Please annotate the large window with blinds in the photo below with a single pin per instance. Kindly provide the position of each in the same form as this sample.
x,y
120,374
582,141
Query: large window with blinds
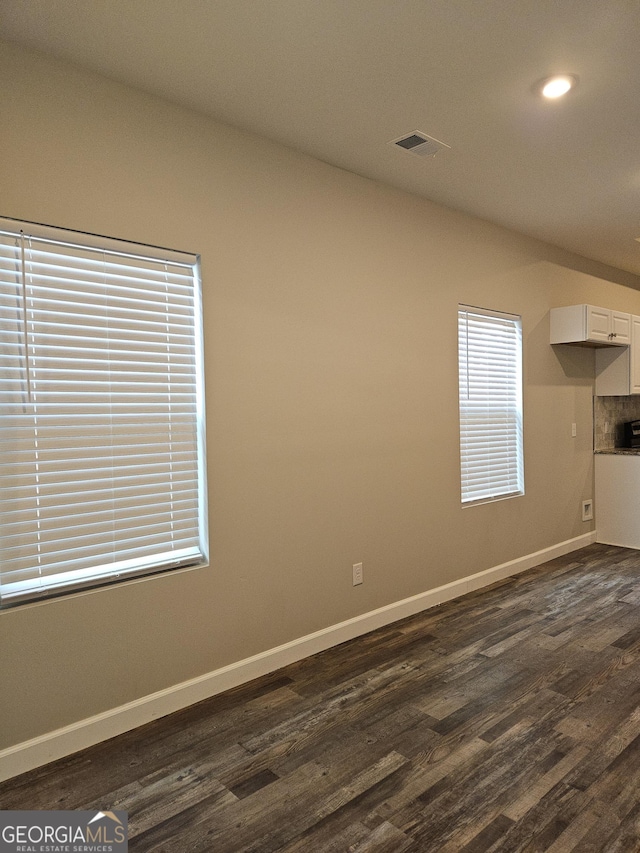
x,y
490,396
102,470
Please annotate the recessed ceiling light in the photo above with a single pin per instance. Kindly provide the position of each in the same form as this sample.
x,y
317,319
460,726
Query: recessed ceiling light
x,y
555,87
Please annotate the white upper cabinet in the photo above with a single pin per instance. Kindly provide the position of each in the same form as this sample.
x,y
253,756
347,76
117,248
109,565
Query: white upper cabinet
x,y
618,369
589,325
634,357
621,327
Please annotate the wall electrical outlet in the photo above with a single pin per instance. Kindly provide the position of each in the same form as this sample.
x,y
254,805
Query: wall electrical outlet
x,y
357,574
587,510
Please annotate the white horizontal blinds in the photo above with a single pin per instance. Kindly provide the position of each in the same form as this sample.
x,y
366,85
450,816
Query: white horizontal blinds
x,y
490,391
12,327
100,428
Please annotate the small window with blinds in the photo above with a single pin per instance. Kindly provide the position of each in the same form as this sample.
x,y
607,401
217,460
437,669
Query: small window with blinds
x,y
101,412
490,394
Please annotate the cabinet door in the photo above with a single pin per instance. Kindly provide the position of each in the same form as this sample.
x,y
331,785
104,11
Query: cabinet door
x,y
635,355
621,327
598,323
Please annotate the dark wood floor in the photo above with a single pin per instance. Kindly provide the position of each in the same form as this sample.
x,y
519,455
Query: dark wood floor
x,y
507,720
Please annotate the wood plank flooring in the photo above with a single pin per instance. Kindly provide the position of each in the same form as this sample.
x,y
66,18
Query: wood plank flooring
x,y
507,720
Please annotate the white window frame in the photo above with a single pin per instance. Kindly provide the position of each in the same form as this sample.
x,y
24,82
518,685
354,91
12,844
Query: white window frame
x,y
490,405
102,429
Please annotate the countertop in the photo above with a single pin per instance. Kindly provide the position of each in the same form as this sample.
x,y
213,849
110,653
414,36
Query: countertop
x,y
621,451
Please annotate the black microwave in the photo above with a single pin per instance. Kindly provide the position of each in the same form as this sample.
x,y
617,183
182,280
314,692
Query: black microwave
x,y
632,434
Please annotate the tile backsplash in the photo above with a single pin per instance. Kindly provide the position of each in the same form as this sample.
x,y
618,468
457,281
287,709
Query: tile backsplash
x,y
609,414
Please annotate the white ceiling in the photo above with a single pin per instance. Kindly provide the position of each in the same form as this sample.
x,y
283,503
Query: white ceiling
x,y
340,79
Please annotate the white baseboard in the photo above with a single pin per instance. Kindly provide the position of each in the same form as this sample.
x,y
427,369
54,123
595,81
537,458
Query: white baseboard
x,y
65,741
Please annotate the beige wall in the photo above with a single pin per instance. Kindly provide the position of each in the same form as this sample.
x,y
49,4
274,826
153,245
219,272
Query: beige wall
x,y
330,336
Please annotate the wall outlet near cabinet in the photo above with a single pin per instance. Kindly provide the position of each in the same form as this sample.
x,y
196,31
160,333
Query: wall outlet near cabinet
x,y
587,510
357,574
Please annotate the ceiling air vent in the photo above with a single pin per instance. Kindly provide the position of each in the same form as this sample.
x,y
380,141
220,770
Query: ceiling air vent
x,y
420,144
